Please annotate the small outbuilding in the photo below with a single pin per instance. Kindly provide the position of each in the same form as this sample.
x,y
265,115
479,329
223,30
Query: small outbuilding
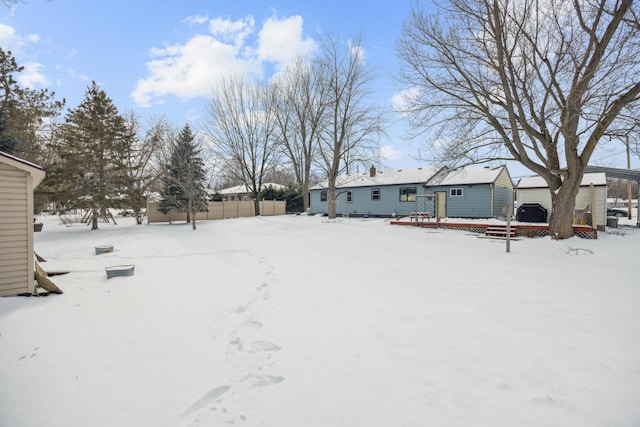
x,y
534,189
18,179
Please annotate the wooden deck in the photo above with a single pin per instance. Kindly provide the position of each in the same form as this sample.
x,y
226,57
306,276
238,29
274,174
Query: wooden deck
x,y
493,227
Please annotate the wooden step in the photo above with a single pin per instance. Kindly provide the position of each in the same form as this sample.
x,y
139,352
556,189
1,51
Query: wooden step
x,y
499,231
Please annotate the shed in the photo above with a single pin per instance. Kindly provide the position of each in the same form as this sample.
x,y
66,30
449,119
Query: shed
x,y
534,189
18,179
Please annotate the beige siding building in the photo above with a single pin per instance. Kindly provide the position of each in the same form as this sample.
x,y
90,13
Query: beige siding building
x,y
18,178
535,190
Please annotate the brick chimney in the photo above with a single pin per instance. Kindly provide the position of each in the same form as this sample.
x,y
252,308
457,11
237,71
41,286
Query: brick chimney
x,y
372,171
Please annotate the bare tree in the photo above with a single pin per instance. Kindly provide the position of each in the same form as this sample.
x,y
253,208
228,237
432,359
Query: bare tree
x,y
538,82
300,108
140,159
351,122
242,125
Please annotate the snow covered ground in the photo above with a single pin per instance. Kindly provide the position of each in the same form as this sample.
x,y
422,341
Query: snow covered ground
x,y
301,321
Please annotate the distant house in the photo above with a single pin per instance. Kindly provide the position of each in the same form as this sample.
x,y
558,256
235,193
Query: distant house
x,y
473,192
621,203
466,193
18,179
534,189
376,193
242,193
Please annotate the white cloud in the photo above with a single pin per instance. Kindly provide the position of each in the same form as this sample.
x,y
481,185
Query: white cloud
x,y
389,152
195,20
32,76
191,69
359,52
73,73
7,35
231,48
11,40
281,39
402,100
235,32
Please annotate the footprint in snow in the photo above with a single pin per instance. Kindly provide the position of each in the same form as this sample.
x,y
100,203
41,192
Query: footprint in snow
x,y
261,345
255,323
209,397
262,380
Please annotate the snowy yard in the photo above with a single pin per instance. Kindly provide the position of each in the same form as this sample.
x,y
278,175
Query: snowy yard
x,y
301,321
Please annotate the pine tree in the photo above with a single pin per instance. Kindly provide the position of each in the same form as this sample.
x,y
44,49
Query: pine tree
x,y
183,186
95,139
22,111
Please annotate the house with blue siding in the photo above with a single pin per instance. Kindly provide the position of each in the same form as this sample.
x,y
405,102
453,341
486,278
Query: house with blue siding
x,y
473,192
376,193
479,192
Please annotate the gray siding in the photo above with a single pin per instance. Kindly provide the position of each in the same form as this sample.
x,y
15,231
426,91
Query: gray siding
x,y
16,226
475,201
502,197
362,204
479,200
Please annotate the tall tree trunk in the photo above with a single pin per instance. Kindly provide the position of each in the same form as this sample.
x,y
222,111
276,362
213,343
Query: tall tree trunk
x,y
331,198
193,219
256,204
94,218
564,203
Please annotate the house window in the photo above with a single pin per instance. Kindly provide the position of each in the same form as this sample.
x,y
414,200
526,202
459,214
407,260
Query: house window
x,y
349,196
323,196
408,194
375,194
455,192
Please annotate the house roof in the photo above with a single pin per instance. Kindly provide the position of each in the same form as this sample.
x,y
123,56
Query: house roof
x,y
36,171
537,181
475,175
389,177
242,189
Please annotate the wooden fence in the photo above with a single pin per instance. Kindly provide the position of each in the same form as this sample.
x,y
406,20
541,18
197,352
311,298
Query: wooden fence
x,y
219,210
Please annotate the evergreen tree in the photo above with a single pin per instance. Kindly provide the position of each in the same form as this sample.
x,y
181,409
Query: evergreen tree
x,y
22,111
95,140
183,185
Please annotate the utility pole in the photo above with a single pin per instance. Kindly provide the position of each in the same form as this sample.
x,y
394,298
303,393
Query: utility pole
x,y
629,204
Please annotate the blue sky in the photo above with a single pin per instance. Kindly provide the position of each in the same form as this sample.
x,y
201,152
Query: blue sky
x,y
160,58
